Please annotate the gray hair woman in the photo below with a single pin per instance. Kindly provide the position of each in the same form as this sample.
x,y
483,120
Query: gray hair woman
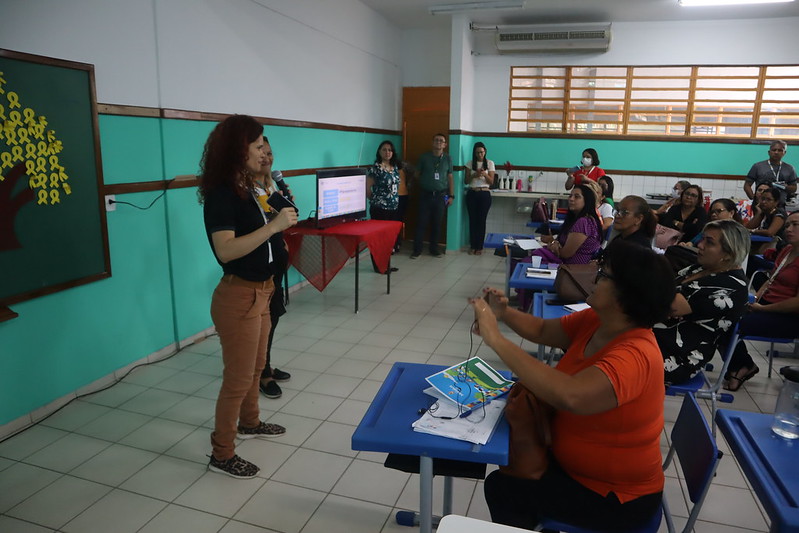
x,y
711,297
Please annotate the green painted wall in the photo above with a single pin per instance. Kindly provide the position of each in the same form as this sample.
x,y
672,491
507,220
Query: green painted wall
x,y
163,271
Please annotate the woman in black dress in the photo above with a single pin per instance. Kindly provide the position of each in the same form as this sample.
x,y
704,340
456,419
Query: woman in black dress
x,y
711,297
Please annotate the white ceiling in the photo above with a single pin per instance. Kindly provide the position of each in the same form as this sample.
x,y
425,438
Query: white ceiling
x,y
414,13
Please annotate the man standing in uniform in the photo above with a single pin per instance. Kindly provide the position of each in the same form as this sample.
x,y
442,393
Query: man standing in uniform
x,y
772,171
436,188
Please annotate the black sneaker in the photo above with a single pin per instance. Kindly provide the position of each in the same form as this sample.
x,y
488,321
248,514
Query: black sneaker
x,y
261,430
271,389
235,467
415,255
437,254
279,375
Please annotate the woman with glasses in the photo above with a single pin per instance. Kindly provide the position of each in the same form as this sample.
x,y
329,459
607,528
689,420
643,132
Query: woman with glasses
x,y
604,469
721,209
769,216
775,312
383,182
676,192
711,297
634,221
688,217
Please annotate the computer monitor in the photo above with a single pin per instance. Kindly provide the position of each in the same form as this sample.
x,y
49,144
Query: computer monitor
x,y
340,196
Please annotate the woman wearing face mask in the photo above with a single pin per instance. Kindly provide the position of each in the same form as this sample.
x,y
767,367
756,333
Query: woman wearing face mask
x,y
721,209
479,176
688,216
711,297
676,191
634,221
589,170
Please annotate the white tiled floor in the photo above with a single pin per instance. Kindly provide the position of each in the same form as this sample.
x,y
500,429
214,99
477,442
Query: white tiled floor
x,y
133,457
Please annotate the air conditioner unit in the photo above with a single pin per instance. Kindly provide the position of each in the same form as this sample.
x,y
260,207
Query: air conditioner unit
x,y
518,39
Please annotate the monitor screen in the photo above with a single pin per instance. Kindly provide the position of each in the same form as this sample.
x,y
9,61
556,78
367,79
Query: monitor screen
x,y
340,196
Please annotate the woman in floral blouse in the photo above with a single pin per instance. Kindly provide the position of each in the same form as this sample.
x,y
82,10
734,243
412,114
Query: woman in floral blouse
x,y
383,182
711,297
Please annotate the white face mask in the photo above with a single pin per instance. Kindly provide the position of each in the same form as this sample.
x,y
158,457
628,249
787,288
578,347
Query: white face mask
x,y
587,161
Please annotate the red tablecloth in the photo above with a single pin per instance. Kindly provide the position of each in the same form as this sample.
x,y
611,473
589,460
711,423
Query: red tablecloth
x,y
319,254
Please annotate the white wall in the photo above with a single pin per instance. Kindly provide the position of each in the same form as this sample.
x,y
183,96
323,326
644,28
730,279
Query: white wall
x,y
462,77
729,42
426,58
333,62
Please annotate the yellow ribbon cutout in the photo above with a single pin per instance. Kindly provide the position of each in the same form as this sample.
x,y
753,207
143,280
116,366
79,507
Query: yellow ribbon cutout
x,y
54,199
43,121
56,147
11,134
2,112
54,183
17,153
67,188
54,162
30,151
6,158
42,146
29,115
15,117
30,168
62,175
40,163
13,100
33,181
42,198
22,133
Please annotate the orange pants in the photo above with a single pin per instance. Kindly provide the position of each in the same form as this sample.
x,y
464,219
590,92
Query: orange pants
x,y
240,311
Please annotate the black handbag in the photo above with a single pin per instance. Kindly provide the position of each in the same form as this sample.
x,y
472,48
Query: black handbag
x,y
680,257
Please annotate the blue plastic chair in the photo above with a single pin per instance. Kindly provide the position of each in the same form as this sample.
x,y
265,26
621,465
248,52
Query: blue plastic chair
x,y
695,446
701,387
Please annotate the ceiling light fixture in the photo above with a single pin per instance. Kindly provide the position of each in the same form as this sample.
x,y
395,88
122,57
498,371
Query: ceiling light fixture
x,y
728,2
448,9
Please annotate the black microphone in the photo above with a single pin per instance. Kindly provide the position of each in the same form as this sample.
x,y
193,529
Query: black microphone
x,y
277,177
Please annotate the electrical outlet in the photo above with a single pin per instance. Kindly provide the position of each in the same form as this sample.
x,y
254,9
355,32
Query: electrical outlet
x,y
110,202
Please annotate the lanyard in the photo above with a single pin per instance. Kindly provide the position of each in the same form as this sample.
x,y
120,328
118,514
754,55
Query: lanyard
x,y
773,275
263,214
776,174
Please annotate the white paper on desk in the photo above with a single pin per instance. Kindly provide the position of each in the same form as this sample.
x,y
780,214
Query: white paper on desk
x,y
529,244
475,428
572,308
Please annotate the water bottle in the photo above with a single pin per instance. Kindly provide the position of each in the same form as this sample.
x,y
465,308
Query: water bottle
x,y
786,414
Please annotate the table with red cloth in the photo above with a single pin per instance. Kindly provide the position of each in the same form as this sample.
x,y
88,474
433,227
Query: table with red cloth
x,y
319,254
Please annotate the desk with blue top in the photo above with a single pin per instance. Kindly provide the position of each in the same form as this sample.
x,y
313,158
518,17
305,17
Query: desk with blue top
x,y
546,311
519,279
770,463
386,427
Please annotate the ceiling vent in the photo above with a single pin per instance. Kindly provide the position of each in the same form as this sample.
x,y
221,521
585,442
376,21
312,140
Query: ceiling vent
x,y
520,39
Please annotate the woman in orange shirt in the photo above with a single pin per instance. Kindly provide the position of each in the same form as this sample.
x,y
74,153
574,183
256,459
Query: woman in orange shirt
x,y
605,470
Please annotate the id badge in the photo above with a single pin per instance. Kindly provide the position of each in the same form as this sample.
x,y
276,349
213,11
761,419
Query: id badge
x,y
436,176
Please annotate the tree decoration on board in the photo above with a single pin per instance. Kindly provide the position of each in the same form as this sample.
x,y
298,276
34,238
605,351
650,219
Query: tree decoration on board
x,y
27,148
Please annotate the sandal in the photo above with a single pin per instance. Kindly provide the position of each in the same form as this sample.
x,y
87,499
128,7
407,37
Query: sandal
x,y
735,382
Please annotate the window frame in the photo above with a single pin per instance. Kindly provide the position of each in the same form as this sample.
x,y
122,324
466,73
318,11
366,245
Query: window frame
x,y
695,115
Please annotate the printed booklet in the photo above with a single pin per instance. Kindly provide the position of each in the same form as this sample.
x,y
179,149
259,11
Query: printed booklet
x,y
470,384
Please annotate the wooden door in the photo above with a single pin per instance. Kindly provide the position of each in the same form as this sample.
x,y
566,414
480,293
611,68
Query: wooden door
x,y
425,112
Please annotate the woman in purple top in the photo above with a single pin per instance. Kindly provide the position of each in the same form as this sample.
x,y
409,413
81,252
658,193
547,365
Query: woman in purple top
x,y
580,237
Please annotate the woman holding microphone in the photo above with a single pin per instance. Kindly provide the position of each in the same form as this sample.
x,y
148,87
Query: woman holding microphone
x,y
239,232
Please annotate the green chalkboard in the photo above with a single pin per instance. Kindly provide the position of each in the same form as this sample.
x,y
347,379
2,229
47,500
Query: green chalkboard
x,y
53,233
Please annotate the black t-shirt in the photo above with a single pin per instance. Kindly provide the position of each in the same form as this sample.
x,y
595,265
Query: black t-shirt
x,y
225,210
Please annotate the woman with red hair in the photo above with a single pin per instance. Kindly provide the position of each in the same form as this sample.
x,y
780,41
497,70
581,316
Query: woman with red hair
x,y
239,232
